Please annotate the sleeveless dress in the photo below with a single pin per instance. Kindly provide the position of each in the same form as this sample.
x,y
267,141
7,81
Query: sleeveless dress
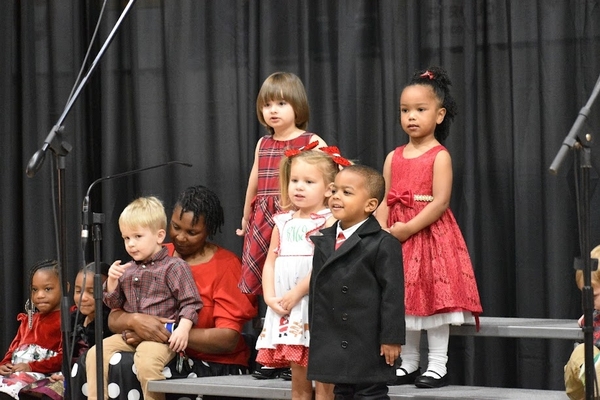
x,y
286,338
440,286
264,206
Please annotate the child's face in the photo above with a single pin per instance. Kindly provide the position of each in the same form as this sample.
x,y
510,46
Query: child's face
x,y
307,188
420,111
279,114
45,290
350,202
85,293
142,243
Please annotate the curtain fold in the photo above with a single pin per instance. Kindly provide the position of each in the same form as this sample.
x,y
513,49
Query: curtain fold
x,y
179,82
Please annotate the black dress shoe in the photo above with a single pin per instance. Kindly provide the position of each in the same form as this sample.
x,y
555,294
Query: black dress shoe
x,y
286,374
267,373
428,382
407,379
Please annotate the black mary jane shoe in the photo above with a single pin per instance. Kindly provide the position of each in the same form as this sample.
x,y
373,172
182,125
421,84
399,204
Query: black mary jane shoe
x,y
407,379
267,373
286,374
428,382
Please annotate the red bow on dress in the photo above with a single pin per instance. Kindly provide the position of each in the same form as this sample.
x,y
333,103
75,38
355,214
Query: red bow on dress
x,y
294,152
334,152
406,198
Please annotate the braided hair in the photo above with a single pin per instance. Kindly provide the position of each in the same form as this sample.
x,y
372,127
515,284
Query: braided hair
x,y
51,265
202,202
438,79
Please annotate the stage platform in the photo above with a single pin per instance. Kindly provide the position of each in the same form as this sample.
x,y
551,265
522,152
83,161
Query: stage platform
x,y
249,387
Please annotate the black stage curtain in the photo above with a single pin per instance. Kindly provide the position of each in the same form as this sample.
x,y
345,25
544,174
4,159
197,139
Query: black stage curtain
x,y
179,82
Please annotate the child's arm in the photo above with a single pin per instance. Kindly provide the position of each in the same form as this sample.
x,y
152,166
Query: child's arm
x,y
179,338
383,210
268,276
442,189
250,192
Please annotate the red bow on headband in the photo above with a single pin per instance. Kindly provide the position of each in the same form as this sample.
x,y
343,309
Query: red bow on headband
x,y
294,152
334,152
427,74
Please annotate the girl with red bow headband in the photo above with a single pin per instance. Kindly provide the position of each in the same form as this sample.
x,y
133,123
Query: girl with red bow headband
x,y
305,178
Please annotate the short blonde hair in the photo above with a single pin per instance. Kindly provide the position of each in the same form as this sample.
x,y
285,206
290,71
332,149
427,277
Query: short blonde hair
x,y
595,253
284,86
146,212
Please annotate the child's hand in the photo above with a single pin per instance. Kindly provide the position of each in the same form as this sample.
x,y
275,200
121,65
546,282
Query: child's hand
x,y
21,367
274,304
6,369
179,338
399,231
391,352
242,230
290,299
58,376
114,273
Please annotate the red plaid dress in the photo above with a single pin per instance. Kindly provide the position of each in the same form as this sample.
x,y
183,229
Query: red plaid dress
x,y
264,206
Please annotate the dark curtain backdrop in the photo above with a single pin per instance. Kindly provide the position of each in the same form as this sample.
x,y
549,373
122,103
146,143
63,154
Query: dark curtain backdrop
x,y
179,82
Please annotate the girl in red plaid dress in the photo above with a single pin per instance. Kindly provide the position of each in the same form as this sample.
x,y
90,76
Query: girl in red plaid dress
x,y
282,107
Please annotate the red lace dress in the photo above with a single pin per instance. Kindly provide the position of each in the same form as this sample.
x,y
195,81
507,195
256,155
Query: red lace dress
x,y
264,206
440,286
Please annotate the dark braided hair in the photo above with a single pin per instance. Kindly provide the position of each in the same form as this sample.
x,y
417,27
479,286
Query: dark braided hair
x,y
202,201
438,79
45,264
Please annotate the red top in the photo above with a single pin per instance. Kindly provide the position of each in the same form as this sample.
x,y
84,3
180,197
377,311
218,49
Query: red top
x,y
45,332
225,306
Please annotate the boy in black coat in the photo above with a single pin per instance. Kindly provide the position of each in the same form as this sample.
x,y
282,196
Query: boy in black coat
x,y
356,292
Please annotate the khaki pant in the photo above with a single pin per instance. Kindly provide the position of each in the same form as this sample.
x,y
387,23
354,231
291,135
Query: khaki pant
x,y
574,384
150,359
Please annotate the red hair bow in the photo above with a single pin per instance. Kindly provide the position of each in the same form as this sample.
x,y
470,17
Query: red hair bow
x,y
334,152
294,152
427,74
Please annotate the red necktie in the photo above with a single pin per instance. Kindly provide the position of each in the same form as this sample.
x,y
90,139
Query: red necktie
x,y
340,239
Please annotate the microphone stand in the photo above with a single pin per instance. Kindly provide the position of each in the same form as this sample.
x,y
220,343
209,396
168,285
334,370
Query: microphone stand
x,y
583,161
96,221
60,150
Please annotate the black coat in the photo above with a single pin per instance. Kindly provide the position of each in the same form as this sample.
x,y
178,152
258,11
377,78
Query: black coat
x,y
356,304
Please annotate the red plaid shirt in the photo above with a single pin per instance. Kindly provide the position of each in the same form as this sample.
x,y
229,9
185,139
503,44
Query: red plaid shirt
x,y
163,287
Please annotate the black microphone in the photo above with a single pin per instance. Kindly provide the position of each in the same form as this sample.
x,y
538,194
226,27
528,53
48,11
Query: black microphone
x,y
36,161
85,221
86,200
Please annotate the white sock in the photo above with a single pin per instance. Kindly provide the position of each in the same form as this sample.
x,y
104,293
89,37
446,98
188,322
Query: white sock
x,y
437,339
410,353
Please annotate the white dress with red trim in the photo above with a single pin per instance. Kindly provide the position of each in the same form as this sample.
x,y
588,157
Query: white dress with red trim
x,y
285,338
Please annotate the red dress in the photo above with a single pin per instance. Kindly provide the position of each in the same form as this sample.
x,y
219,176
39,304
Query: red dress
x,y
264,206
438,275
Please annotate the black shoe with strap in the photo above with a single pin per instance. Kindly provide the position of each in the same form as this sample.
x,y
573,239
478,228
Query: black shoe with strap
x,y
406,379
429,382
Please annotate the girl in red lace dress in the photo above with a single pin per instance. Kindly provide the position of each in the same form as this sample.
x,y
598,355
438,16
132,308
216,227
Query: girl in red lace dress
x,y
36,349
440,286
282,107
